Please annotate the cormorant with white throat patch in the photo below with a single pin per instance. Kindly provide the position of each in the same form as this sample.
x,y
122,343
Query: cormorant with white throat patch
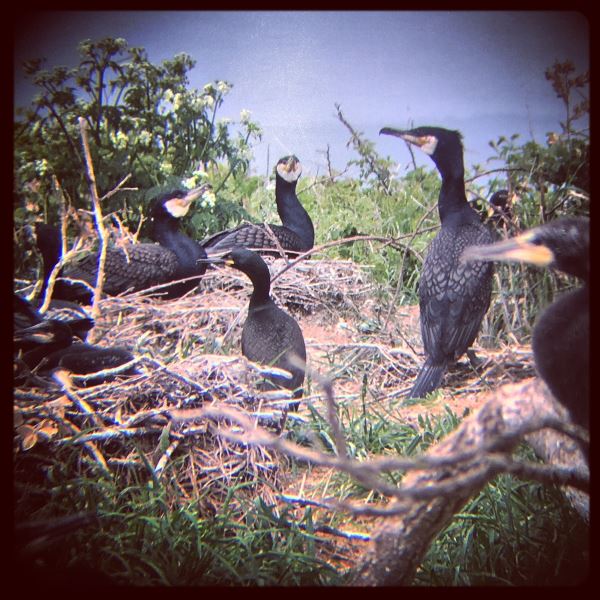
x,y
296,234
453,296
135,267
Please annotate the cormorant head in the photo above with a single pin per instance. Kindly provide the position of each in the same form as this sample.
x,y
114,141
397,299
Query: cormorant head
x,y
177,203
499,199
48,331
289,168
563,244
500,207
443,145
239,258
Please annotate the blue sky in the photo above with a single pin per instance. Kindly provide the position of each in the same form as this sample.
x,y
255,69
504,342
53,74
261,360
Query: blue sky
x,y
479,72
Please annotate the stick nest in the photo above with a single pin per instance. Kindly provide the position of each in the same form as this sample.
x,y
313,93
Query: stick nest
x,y
145,425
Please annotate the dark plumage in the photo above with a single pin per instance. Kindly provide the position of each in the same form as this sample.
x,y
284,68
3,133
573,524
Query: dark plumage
x,y
75,316
41,339
138,266
43,344
453,296
270,336
296,234
561,337
37,555
499,214
24,313
86,359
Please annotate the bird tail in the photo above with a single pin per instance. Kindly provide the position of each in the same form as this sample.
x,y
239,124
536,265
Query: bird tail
x,y
429,378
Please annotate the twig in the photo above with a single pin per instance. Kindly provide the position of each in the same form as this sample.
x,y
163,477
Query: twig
x,y
63,378
387,241
83,128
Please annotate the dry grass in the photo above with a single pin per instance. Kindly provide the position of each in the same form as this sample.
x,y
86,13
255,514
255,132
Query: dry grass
x,y
189,358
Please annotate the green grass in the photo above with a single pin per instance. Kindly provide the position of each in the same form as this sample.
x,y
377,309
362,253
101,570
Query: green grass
x,y
150,535
512,533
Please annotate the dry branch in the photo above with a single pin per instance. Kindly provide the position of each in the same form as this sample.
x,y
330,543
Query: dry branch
x,y
195,414
400,543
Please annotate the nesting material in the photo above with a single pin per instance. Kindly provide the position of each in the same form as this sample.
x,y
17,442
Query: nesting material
x,y
189,357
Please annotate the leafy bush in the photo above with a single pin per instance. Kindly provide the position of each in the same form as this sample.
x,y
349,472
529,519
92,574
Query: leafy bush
x,y
143,120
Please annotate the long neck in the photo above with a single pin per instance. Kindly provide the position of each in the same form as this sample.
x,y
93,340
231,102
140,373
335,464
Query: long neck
x,y
291,212
168,235
261,280
50,256
453,200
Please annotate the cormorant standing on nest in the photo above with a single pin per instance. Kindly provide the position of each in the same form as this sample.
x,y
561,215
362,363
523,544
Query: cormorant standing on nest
x,y
453,296
137,266
295,235
561,336
270,336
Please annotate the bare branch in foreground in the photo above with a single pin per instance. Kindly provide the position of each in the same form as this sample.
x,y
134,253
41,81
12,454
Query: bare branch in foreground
x,y
439,483
400,543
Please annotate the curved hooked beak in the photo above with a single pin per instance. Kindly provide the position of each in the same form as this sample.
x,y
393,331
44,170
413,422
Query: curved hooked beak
x,y
291,163
197,192
179,207
217,259
391,131
406,136
427,143
520,248
291,169
41,333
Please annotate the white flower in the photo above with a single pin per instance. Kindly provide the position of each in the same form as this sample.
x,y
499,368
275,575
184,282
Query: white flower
x,y
210,101
169,95
190,183
198,103
244,153
208,88
42,166
225,121
145,137
245,115
223,87
208,199
119,140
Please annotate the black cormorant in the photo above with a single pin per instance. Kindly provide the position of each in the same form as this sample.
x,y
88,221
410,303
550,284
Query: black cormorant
x,y
45,343
296,234
26,315
499,214
137,266
561,336
41,339
269,336
453,296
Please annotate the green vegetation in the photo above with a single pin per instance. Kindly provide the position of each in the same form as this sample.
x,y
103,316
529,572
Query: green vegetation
x,y
511,533
145,121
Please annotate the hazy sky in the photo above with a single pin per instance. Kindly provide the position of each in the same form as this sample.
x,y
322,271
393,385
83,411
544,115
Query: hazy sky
x,y
479,72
